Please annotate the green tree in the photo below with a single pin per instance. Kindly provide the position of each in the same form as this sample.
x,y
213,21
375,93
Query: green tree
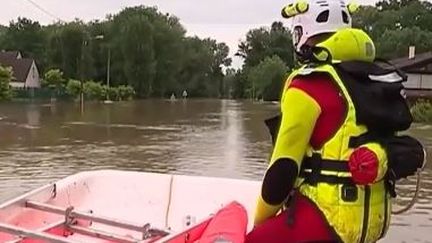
x,y
394,25
148,50
262,50
136,42
5,79
393,4
240,85
196,73
53,79
169,50
267,78
73,41
25,36
228,83
98,47
3,30
264,42
395,43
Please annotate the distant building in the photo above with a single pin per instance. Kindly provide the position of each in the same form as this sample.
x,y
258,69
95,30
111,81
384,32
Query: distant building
x,y
25,71
418,67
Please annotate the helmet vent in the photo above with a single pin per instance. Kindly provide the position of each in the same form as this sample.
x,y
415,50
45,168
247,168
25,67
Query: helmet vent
x,y
323,3
323,17
345,17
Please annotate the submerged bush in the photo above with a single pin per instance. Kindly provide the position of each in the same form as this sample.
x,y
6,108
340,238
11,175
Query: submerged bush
x,y
422,111
5,88
113,93
125,92
94,90
97,91
73,88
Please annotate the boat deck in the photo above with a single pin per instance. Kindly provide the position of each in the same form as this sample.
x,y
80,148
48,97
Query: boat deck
x,y
113,206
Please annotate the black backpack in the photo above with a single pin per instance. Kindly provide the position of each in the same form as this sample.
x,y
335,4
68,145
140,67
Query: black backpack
x,y
378,95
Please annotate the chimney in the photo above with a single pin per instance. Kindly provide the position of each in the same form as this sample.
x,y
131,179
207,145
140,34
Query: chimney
x,y
411,53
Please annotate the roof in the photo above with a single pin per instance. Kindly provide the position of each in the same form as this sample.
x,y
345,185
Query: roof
x,y
417,63
9,54
20,67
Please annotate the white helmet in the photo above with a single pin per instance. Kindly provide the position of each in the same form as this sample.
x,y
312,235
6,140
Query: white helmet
x,y
314,17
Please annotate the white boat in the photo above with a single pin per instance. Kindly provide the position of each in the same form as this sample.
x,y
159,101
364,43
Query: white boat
x,y
121,206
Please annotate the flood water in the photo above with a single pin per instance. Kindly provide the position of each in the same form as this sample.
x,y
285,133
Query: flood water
x,y
40,143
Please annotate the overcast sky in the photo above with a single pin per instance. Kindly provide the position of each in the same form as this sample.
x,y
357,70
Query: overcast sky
x,y
225,20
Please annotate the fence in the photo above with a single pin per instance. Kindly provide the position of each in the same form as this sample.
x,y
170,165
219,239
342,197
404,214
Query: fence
x,y
42,93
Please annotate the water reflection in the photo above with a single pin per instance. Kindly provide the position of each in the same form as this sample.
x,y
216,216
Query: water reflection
x,y
40,143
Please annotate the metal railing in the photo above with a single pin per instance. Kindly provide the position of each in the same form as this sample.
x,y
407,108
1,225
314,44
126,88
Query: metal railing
x,y
71,216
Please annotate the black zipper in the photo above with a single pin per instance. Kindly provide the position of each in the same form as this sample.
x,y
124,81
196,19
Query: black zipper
x,y
366,214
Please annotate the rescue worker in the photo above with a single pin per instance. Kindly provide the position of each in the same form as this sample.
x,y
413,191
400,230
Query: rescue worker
x,y
336,152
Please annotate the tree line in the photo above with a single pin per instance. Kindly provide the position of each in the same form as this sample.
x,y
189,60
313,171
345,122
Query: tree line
x,y
151,53
394,25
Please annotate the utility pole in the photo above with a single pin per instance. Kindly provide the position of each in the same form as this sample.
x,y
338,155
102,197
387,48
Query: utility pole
x,y
108,73
84,44
82,77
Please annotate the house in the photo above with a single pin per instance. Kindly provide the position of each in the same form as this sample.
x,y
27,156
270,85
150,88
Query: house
x,y
25,71
418,67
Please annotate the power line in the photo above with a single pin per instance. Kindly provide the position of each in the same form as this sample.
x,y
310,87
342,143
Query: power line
x,y
44,10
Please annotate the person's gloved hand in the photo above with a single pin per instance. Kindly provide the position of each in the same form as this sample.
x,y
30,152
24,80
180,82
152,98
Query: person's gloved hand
x,y
363,165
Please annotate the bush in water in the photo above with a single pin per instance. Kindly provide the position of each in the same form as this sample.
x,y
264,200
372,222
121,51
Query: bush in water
x,y
113,93
53,79
73,88
5,78
422,111
94,91
125,92
97,91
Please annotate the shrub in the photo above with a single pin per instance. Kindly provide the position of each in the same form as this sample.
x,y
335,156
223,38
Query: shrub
x,y
73,87
422,111
53,79
125,92
5,79
94,91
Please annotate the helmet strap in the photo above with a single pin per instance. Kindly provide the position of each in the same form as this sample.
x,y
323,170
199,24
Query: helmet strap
x,y
311,54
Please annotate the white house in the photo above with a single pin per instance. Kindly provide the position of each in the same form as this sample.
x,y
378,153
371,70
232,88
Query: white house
x,y
25,71
418,68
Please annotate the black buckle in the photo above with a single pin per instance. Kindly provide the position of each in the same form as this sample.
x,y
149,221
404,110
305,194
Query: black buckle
x,y
349,193
316,167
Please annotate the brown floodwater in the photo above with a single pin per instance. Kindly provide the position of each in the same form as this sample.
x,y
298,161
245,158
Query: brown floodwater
x,y
40,143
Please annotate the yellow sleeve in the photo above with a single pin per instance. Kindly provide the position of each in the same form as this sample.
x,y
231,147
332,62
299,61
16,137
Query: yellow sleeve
x,y
299,115
382,159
